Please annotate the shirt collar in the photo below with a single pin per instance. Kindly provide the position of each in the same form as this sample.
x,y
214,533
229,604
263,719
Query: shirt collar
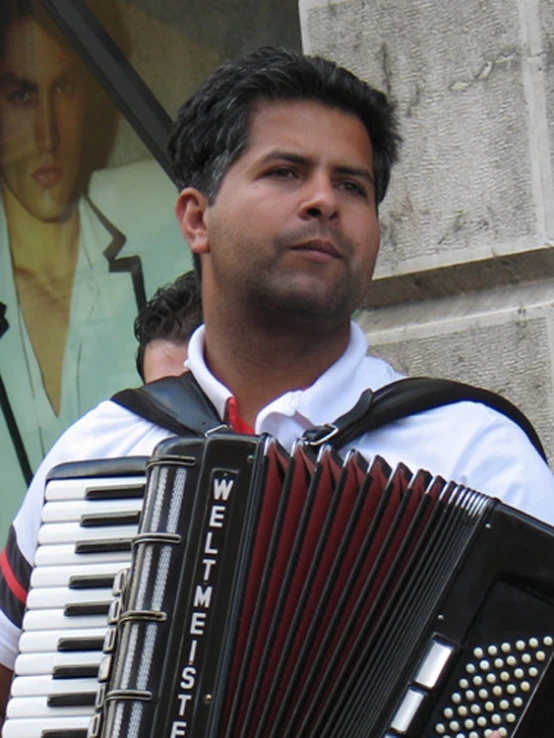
x,y
216,391
307,402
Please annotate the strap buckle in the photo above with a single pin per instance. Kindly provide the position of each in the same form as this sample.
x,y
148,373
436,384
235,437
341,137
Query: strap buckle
x,y
221,428
316,437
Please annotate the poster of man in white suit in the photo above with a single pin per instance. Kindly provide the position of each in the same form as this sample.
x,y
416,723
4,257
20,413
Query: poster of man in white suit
x,y
79,252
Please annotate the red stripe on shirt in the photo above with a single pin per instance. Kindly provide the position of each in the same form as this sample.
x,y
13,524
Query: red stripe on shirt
x,y
16,589
237,423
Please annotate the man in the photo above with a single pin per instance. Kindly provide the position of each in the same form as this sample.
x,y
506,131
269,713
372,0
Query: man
x,y
164,326
70,285
282,161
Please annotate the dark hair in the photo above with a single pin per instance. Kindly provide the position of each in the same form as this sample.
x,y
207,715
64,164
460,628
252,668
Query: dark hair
x,y
211,130
173,313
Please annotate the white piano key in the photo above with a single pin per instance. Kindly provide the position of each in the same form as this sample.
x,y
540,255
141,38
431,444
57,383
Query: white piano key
x,y
73,510
65,554
59,576
76,489
40,641
33,727
44,663
56,620
35,707
57,533
44,684
52,597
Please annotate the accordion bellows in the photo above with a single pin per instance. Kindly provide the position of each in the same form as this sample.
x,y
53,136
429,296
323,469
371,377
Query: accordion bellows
x,y
309,596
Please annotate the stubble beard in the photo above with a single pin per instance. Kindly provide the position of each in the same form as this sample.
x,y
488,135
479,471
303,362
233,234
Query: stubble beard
x,y
287,300
284,302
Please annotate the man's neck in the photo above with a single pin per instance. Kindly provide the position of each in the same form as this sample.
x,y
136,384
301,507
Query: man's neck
x,y
259,366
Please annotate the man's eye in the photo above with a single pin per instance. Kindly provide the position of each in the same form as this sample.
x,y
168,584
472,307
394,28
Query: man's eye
x,y
65,87
352,188
283,173
21,96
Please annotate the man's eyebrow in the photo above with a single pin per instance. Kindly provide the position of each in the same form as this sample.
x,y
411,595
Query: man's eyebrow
x,y
7,78
282,155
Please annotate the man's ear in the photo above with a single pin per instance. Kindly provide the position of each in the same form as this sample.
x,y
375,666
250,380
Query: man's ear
x,y
191,209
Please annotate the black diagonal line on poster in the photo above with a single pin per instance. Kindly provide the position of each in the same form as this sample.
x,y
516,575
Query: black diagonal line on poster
x,y
118,77
15,435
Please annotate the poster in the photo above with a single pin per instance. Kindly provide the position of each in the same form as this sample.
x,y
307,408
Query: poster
x,y
79,245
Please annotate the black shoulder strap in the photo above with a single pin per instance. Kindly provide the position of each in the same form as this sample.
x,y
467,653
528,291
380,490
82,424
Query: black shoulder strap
x,y
175,403
408,397
180,405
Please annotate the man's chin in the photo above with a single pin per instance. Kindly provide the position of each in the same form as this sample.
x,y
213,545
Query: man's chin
x,y
299,308
50,210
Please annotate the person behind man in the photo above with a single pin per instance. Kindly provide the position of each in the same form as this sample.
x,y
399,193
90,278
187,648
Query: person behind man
x,y
164,326
282,161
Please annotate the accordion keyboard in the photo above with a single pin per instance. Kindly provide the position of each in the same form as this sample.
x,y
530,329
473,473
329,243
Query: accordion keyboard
x,y
90,516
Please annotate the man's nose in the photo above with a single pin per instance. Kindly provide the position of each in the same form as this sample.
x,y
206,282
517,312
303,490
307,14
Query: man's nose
x,y
46,126
321,198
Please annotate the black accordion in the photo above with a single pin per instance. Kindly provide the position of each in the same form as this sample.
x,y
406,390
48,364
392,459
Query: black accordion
x,y
302,595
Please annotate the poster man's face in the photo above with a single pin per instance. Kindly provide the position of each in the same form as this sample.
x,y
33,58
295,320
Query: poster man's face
x,y
42,108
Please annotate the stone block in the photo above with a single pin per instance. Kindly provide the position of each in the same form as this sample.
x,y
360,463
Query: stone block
x,y
488,339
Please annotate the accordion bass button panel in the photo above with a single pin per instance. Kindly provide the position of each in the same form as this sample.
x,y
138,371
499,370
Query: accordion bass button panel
x,y
492,689
505,675
90,517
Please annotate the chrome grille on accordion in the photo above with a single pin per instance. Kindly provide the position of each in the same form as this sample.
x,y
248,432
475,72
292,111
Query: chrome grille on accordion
x,y
277,596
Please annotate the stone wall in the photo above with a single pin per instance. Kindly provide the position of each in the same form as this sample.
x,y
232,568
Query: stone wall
x,y
465,282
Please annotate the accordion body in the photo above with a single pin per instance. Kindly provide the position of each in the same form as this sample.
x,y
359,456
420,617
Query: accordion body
x,y
305,596
275,595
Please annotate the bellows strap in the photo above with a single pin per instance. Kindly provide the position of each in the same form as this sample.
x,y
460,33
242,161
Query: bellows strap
x,y
180,405
407,397
176,403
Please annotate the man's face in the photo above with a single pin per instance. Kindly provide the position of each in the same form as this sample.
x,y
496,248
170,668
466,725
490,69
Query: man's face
x,y
163,358
42,106
294,229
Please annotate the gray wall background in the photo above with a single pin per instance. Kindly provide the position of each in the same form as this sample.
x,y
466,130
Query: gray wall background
x,y
465,281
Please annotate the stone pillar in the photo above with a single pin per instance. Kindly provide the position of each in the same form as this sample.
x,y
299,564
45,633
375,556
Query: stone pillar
x,y
465,282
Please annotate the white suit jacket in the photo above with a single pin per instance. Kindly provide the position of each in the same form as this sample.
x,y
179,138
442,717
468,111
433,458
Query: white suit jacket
x,y
109,287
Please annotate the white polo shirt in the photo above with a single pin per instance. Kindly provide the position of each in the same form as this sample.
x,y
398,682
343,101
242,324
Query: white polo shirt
x,y
466,442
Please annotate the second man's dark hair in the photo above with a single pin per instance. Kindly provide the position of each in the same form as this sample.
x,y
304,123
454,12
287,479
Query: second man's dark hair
x,y
211,130
173,313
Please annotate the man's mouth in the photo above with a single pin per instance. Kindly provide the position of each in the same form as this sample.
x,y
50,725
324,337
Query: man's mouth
x,y
318,249
48,176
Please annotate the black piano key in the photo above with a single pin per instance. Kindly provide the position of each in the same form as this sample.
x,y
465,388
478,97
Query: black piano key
x,y
86,608
97,520
80,644
72,699
135,492
61,733
91,581
81,671
107,546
